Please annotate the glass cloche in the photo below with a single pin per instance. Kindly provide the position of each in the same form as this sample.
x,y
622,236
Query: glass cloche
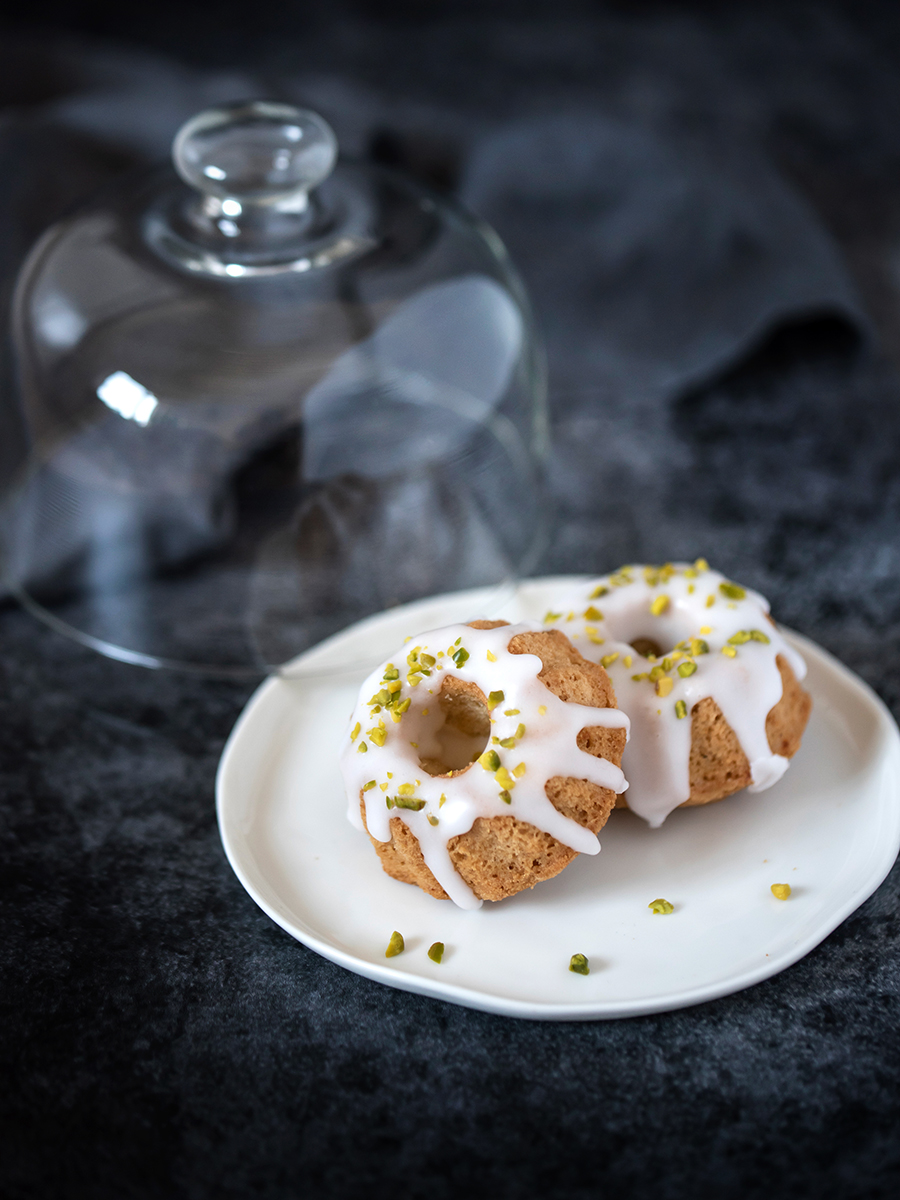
x,y
263,396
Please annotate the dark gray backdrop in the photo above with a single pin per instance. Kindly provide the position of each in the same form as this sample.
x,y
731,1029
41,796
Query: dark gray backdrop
x,y
705,203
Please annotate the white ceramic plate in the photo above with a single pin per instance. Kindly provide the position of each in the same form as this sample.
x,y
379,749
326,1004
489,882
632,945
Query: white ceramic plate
x,y
830,828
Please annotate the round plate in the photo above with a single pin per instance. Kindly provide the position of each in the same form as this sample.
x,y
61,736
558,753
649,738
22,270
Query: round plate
x,y
830,828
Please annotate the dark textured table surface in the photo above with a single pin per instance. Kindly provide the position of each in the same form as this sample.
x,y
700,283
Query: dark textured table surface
x,y
160,1037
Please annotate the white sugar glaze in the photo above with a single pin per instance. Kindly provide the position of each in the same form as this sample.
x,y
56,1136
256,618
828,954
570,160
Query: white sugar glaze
x,y
547,748
603,617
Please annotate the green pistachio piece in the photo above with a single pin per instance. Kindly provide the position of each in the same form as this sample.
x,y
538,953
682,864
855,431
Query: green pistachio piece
x,y
395,946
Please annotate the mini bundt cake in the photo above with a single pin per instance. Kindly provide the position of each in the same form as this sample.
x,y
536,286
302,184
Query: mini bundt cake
x,y
483,758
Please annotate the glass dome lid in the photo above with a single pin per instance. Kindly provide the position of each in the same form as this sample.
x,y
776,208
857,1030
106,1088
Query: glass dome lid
x,y
265,395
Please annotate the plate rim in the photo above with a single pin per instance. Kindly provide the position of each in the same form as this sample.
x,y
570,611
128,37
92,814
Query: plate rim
x,y
887,849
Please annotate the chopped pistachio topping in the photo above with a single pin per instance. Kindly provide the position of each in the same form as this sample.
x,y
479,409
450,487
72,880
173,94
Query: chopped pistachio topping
x,y
432,819
388,697
659,605
491,657
427,660
367,787
593,614
622,578
757,635
639,678
395,946
686,668
506,797
407,789
378,736
701,564
579,964
626,661
506,781
542,710
424,712
490,760
664,685
494,699
436,951
740,638
354,732
506,743
519,771
461,657
442,801
706,629
592,637
699,646
384,786
408,802
691,589
680,709
691,573
732,591
656,673
666,664
781,891
729,651
598,591
550,617
520,730
663,907
608,659
710,600
362,748
511,712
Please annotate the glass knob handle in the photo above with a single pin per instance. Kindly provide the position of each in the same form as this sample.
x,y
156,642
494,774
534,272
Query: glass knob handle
x,y
255,154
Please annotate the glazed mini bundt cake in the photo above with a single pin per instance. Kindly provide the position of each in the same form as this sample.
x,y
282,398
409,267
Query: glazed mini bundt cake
x,y
483,758
709,683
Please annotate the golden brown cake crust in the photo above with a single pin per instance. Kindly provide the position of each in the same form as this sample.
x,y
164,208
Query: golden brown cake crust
x,y
718,765
500,856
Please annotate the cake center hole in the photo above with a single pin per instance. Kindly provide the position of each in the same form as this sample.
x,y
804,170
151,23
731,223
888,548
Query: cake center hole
x,y
646,646
649,635
463,730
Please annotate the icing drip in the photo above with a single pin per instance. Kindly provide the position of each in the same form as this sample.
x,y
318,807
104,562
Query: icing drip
x,y
532,739
715,639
